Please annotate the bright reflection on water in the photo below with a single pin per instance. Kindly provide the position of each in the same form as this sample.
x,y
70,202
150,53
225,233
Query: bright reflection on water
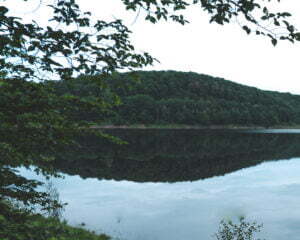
x,y
284,131
268,193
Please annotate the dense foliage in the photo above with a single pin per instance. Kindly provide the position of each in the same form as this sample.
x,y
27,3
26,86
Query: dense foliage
x,y
17,224
238,231
169,97
35,124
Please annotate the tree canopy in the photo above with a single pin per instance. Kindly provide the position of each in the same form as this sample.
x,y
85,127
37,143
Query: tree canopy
x,y
186,98
252,15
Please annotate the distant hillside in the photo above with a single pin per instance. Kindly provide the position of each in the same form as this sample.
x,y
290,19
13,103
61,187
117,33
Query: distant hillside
x,y
170,97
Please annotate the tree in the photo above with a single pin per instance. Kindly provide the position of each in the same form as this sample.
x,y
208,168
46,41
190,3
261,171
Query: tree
x,y
34,119
242,231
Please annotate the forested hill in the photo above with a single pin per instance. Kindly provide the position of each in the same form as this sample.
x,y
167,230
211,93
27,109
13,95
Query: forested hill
x,y
170,97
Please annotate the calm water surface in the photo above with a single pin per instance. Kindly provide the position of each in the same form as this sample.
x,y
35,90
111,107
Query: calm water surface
x,y
143,190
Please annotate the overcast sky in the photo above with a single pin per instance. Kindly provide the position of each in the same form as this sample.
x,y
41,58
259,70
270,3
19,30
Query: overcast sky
x,y
221,51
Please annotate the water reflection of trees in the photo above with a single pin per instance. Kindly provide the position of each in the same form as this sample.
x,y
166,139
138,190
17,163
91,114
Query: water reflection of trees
x,y
174,155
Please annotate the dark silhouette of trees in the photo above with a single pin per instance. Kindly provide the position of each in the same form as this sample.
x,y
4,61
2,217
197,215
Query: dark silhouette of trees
x,y
169,97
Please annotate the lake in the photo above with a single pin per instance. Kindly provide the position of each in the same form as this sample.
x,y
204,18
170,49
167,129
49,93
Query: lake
x,y
179,184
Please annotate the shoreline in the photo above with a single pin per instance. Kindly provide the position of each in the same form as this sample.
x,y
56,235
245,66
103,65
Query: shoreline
x,y
178,126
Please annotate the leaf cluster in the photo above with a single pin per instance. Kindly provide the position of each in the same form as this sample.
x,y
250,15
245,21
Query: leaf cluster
x,y
252,15
17,224
241,231
76,45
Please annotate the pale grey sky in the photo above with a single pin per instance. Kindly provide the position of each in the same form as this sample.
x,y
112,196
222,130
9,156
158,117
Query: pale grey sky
x,y
222,51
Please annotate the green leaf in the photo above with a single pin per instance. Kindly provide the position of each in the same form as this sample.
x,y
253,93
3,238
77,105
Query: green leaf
x,y
274,41
247,29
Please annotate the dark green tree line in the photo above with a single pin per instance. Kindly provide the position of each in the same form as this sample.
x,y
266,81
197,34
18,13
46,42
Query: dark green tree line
x,y
169,97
